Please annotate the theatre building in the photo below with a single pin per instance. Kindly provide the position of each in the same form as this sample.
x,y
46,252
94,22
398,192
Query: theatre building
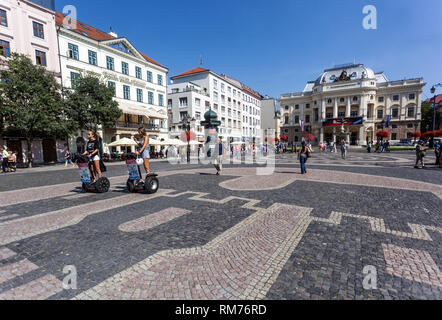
x,y
352,102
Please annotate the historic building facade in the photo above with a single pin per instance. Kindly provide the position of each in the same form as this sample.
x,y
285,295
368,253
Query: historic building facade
x,y
28,27
352,102
238,106
140,83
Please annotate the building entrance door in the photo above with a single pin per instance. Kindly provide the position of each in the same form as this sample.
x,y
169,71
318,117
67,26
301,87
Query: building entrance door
x,y
49,151
354,139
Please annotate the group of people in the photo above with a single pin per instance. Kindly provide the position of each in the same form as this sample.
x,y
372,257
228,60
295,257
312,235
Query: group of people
x,y
379,147
328,147
8,160
421,153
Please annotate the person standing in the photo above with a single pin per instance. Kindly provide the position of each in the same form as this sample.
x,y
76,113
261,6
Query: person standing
x,y
344,150
219,159
143,149
302,156
5,155
420,154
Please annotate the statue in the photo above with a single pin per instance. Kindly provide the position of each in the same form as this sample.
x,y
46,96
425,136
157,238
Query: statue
x,y
343,77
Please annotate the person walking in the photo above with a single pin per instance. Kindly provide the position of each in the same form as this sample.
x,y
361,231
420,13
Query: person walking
x,y
437,153
68,159
303,154
344,150
219,159
420,154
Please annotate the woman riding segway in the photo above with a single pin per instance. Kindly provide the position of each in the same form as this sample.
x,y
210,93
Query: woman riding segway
x,y
143,149
93,153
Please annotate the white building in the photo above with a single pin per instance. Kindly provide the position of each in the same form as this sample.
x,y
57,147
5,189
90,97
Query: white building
x,y
351,102
140,83
28,27
238,107
271,117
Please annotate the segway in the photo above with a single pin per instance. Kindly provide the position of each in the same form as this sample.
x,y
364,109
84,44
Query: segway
x,y
100,186
150,184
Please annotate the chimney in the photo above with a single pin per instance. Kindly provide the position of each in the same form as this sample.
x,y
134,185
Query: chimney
x,y
112,33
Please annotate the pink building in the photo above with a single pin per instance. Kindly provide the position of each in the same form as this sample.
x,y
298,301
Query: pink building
x,y
29,28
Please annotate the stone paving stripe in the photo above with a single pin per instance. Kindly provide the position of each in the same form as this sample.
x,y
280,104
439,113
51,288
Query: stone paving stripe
x,y
20,229
241,263
11,216
39,289
411,264
153,220
5,253
16,269
41,193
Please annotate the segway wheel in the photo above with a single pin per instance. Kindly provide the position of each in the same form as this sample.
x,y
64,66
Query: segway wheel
x,y
152,184
130,186
102,185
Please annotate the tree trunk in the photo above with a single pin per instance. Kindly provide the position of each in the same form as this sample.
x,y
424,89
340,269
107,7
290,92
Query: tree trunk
x,y
29,141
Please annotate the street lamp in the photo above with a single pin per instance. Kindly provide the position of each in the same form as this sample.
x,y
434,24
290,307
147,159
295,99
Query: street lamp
x,y
433,91
187,121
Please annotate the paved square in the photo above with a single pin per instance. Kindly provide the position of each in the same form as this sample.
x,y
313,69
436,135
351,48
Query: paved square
x,y
236,236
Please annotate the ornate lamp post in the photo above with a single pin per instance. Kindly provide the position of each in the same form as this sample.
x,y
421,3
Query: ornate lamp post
x,y
433,91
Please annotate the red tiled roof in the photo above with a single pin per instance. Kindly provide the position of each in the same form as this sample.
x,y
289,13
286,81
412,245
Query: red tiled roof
x,y
438,99
94,33
192,71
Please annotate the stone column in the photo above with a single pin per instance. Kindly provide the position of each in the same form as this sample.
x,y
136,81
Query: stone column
x,y
362,108
335,109
348,136
361,135
323,109
118,148
334,135
348,109
321,135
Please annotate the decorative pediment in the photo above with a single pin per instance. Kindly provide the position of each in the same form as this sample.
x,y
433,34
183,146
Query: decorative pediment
x,y
123,45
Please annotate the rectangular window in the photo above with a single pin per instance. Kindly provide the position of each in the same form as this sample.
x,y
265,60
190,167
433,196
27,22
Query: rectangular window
x,y
40,57
139,95
160,79
410,112
380,114
354,114
3,18
296,119
215,83
110,63
307,106
395,113
381,99
92,57
160,100
138,72
5,49
341,114
394,136
125,68
183,102
215,95
149,76
396,98
126,92
38,30
411,96
112,85
307,119
73,51
197,102
74,79
150,97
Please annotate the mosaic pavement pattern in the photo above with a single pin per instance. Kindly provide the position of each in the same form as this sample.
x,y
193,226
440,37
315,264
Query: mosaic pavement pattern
x,y
237,236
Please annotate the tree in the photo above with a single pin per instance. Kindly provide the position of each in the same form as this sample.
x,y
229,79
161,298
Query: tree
x,y
91,104
427,117
32,105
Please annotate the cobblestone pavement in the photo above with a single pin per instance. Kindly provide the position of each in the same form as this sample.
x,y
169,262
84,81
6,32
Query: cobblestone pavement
x,y
235,236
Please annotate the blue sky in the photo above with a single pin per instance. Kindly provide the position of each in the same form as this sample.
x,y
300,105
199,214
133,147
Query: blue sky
x,y
276,46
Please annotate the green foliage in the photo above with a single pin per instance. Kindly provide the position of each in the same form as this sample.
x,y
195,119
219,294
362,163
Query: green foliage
x,y
427,117
91,104
31,102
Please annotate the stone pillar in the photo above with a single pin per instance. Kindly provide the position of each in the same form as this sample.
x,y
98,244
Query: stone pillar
x,y
335,109
362,108
334,135
348,136
323,109
387,100
118,148
361,135
321,135
348,109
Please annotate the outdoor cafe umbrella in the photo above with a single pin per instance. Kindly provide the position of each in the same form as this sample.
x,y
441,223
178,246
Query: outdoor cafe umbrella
x,y
124,142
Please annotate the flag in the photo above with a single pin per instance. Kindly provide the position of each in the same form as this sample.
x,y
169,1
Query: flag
x,y
302,122
387,121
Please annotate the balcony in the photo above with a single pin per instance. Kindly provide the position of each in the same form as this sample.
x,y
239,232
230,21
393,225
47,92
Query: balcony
x,y
135,126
